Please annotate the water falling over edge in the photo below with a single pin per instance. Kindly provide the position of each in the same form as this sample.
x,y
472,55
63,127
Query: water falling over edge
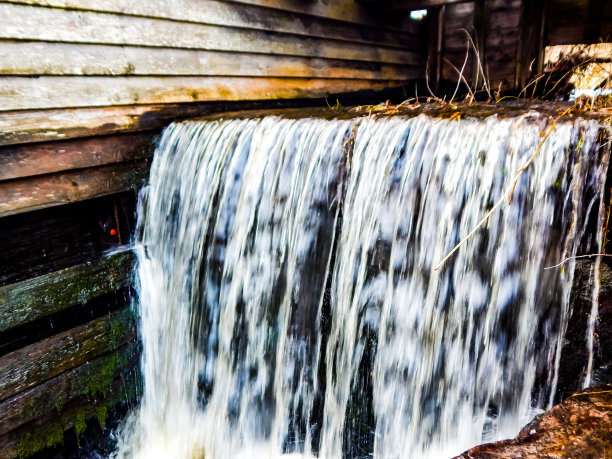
x,y
289,302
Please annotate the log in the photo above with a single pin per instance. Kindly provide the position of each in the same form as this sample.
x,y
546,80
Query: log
x,y
93,379
38,362
45,158
40,58
235,15
58,237
48,430
44,295
25,195
24,93
56,25
344,10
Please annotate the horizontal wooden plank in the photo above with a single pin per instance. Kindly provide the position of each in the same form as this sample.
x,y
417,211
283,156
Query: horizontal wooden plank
x,y
93,378
56,238
41,58
232,14
38,362
22,93
412,4
43,125
56,25
48,429
48,157
346,10
24,195
44,295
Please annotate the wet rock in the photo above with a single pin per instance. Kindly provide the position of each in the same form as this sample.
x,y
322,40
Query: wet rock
x,y
574,356
580,427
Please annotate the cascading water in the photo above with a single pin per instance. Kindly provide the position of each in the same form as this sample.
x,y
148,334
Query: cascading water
x,y
289,302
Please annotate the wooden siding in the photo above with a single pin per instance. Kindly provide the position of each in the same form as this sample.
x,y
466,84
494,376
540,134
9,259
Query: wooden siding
x,y
87,53
85,88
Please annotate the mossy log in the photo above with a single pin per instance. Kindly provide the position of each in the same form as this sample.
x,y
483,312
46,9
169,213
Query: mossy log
x,y
25,301
34,364
93,379
48,430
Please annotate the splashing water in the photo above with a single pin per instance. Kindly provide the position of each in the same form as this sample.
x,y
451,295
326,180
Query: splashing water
x,y
288,299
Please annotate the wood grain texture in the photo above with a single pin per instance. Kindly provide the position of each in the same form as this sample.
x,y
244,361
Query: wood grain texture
x,y
44,295
41,361
48,157
232,14
48,429
41,58
65,387
64,123
24,195
345,10
22,93
56,25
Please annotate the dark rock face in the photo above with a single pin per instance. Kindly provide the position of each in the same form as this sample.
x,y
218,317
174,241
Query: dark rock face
x,y
580,427
574,355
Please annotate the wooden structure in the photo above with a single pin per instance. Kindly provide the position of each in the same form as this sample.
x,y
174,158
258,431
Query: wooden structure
x,y
86,87
510,35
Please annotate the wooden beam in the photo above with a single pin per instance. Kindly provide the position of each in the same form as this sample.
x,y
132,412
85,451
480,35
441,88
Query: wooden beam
x,y
45,158
436,45
32,23
93,378
64,59
592,27
24,93
24,195
481,20
530,49
234,14
48,430
412,4
21,127
41,296
41,361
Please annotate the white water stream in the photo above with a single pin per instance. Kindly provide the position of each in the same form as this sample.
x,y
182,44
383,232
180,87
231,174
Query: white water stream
x,y
289,303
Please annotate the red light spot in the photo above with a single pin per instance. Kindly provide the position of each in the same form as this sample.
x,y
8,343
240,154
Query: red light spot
x,y
113,232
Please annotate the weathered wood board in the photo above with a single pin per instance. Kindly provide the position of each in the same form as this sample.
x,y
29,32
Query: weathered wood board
x,y
50,293
45,158
25,195
35,364
93,378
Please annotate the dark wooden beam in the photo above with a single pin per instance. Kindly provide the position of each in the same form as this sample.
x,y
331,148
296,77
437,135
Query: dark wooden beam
x,y
480,22
20,161
26,195
532,36
44,295
90,379
412,4
436,45
592,28
45,359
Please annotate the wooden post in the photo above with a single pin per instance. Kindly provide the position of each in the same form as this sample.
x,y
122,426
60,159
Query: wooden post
x,y
436,43
592,27
481,20
532,41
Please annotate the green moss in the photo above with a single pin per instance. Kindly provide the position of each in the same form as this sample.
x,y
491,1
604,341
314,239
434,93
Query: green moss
x,y
80,422
101,413
46,437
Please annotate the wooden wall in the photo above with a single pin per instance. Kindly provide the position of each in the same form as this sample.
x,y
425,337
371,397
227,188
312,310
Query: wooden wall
x,y
511,35
85,88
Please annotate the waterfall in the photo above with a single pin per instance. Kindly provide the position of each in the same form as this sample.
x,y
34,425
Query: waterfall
x,y
289,302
